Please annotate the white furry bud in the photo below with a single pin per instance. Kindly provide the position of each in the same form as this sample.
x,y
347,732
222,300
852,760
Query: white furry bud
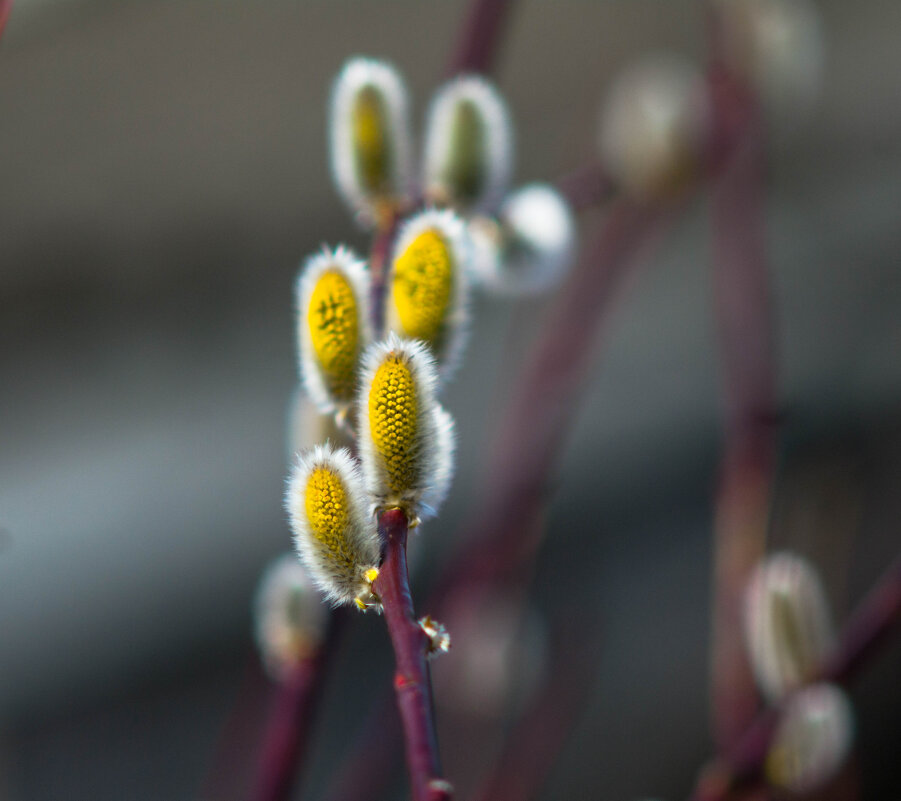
x,y
334,534
813,740
469,146
369,138
406,439
787,624
653,126
530,247
289,616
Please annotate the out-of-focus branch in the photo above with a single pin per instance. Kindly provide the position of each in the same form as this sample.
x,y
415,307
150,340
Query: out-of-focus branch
x,y
411,678
741,768
479,37
744,315
6,7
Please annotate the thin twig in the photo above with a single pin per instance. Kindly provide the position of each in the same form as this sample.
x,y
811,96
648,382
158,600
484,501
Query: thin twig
x,y
292,712
479,38
6,7
743,308
868,628
411,645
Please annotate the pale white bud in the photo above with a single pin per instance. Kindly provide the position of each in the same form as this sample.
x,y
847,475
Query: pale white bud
x,y
468,146
654,125
531,245
369,138
777,46
813,740
788,628
289,616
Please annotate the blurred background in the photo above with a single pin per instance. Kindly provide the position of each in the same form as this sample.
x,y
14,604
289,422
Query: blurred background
x,y
163,170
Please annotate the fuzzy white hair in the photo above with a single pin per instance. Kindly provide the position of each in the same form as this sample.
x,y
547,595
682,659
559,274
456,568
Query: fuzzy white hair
x,y
788,628
334,580
344,261
286,607
498,146
433,448
455,327
357,75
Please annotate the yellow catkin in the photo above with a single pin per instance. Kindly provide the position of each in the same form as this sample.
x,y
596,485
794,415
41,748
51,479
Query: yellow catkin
x,y
327,510
370,141
422,287
334,330
392,422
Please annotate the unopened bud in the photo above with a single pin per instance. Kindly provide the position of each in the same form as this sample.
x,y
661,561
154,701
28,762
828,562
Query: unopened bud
x,y
289,616
469,146
787,624
334,534
813,740
369,138
653,127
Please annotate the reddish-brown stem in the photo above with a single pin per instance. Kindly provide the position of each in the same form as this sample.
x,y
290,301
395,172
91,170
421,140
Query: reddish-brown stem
x,y
293,708
6,6
870,625
379,257
411,678
744,322
479,37
586,187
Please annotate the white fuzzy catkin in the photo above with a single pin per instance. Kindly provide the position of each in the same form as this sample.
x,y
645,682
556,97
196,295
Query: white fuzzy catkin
x,y
289,616
777,46
425,298
653,126
531,246
329,393
788,628
367,194
334,532
813,740
469,146
406,440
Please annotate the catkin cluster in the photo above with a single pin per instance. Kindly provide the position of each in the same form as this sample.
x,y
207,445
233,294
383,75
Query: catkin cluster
x,y
377,340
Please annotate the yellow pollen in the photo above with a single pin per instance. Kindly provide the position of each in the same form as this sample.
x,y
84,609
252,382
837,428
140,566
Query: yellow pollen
x,y
326,505
392,422
334,331
371,147
422,285
371,575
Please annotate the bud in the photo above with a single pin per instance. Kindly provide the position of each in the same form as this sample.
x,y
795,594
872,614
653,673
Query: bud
x,y
332,326
813,740
530,247
469,146
653,127
289,616
369,138
428,285
777,47
406,439
787,623
334,534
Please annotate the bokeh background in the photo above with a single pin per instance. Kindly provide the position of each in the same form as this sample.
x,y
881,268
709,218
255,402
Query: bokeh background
x,y
162,172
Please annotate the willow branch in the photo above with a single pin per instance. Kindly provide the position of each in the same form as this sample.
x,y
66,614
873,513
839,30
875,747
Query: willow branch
x,y
743,309
874,620
411,678
6,7
479,37
294,704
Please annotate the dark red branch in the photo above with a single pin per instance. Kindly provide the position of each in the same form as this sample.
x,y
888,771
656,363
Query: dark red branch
x,y
871,624
294,704
6,7
411,678
744,317
479,38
